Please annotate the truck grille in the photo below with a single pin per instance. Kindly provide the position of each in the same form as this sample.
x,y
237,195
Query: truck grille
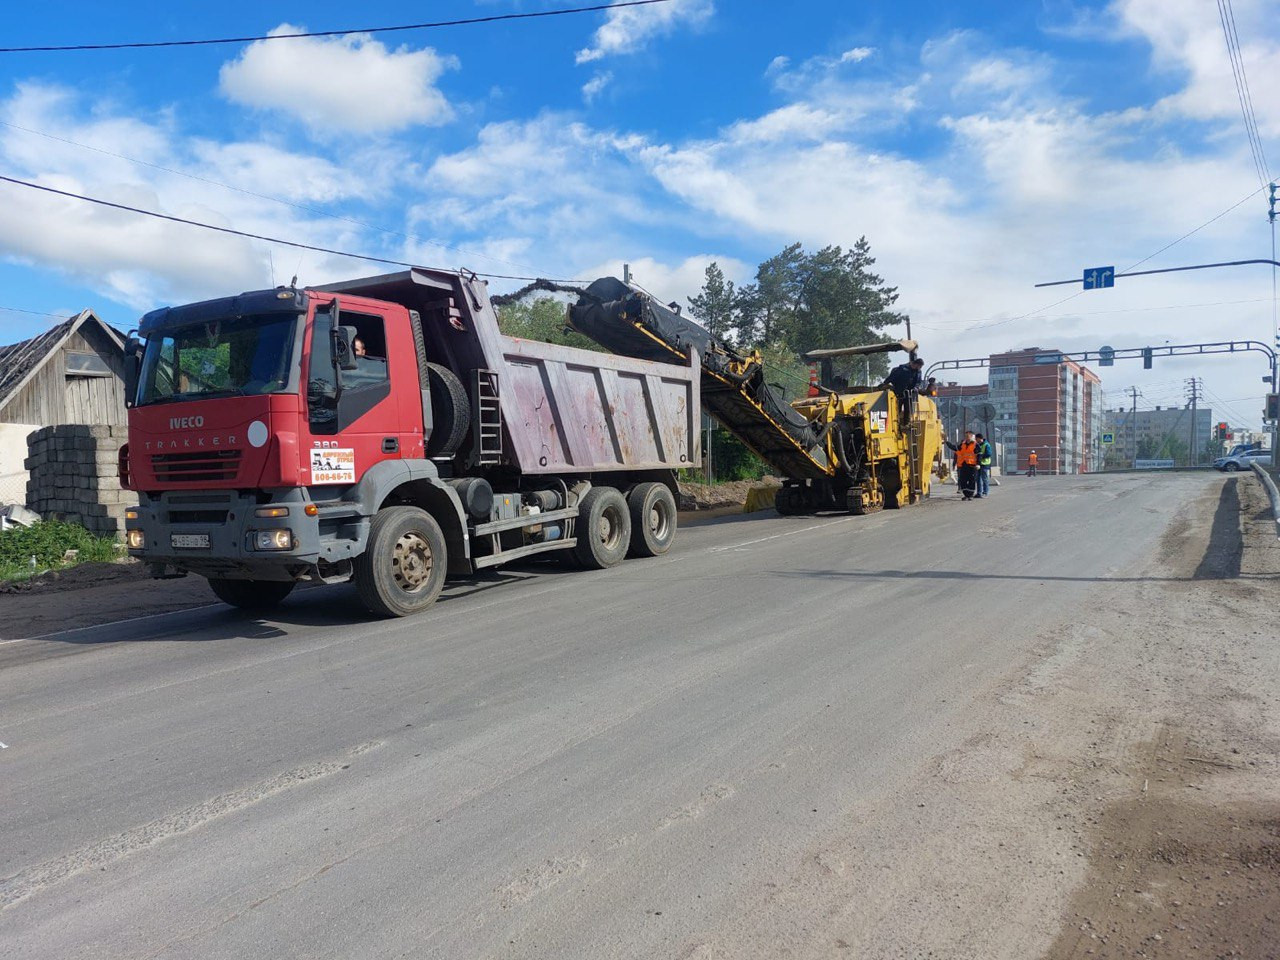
x,y
196,467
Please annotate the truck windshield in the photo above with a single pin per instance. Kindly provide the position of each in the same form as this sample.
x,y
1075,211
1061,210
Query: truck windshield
x,y
235,356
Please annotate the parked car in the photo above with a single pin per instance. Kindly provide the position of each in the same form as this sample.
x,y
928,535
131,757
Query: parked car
x,y
1243,460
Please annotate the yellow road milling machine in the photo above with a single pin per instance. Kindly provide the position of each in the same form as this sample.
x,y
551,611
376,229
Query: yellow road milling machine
x,y
852,448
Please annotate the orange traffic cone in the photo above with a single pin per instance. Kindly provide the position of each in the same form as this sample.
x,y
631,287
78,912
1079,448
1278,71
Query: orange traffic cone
x,y
813,380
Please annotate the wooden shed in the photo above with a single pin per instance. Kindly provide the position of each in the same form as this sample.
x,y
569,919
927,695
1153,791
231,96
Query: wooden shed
x,y
71,373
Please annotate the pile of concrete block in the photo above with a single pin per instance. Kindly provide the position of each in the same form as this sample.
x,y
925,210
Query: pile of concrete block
x,y
74,476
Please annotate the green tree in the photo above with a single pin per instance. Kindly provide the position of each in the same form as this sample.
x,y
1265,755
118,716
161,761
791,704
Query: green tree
x,y
842,303
542,319
809,301
1172,447
716,306
765,306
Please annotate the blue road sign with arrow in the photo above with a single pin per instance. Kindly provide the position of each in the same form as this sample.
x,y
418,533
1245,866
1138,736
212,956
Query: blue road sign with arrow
x,y
1096,278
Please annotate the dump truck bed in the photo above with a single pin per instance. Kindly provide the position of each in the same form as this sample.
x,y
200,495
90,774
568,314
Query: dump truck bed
x,y
563,410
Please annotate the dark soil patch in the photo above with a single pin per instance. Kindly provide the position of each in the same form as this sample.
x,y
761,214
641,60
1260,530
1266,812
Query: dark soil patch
x,y
78,577
1171,877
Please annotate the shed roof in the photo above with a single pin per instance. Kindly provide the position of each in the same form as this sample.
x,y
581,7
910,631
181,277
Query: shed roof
x,y
21,361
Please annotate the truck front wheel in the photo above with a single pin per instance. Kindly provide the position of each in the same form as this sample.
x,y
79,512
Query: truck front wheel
x,y
402,569
257,595
603,530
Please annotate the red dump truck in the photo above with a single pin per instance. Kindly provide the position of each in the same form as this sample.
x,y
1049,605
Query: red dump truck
x,y
385,431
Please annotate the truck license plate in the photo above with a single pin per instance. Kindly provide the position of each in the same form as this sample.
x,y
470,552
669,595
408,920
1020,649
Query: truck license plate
x,y
189,541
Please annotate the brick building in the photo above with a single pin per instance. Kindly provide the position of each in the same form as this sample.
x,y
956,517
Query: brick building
x,y
1043,402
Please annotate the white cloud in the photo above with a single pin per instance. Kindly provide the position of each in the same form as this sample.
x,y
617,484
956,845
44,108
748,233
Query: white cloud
x,y
595,86
794,122
777,65
141,261
125,254
998,74
629,29
1186,37
857,54
349,84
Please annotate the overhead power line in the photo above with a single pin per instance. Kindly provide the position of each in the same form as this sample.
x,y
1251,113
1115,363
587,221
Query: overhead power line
x,y
242,233
34,313
1226,15
262,196
397,28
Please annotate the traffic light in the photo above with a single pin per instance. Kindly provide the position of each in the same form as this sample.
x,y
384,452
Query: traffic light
x,y
1272,410
1146,358
1221,432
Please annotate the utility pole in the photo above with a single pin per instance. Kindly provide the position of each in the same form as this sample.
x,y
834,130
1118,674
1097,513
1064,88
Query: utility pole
x,y
1275,323
1193,392
1133,425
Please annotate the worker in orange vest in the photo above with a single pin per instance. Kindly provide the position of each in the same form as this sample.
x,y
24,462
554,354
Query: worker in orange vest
x,y
966,464
1031,464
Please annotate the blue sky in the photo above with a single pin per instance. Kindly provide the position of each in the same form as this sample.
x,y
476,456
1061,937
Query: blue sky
x,y
981,147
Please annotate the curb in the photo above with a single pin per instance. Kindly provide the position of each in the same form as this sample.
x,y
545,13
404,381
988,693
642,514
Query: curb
x,y
1272,494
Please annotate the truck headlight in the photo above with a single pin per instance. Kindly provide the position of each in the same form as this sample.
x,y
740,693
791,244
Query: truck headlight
x,y
135,539
273,540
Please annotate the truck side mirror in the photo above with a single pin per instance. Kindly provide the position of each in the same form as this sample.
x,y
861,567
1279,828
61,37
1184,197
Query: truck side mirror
x,y
132,369
344,357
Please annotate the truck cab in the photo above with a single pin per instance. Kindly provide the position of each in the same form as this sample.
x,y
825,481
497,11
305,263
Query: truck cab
x,y
384,430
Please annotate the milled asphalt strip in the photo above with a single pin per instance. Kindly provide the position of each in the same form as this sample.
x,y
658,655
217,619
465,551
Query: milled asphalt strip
x,y
34,878
436,617
111,623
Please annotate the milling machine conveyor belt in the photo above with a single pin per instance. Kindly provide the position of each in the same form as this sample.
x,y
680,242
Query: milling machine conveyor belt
x,y
633,324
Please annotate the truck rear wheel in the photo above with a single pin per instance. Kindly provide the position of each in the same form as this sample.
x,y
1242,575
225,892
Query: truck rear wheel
x,y
402,569
603,529
251,594
653,519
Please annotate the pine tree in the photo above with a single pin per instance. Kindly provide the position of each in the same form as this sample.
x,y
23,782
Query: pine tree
x,y
716,306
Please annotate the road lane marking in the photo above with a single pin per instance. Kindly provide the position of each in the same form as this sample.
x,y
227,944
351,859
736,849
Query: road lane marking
x,y
778,536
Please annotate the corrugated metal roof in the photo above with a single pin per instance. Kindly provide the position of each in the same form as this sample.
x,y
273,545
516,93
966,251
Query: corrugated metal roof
x,y
19,361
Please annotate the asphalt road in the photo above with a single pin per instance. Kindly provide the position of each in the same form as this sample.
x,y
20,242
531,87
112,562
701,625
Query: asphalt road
x,y
548,764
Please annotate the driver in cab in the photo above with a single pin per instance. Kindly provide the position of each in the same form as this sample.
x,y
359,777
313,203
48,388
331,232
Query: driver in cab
x,y
369,369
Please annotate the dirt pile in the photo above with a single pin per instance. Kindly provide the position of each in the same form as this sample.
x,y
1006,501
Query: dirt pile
x,y
703,496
